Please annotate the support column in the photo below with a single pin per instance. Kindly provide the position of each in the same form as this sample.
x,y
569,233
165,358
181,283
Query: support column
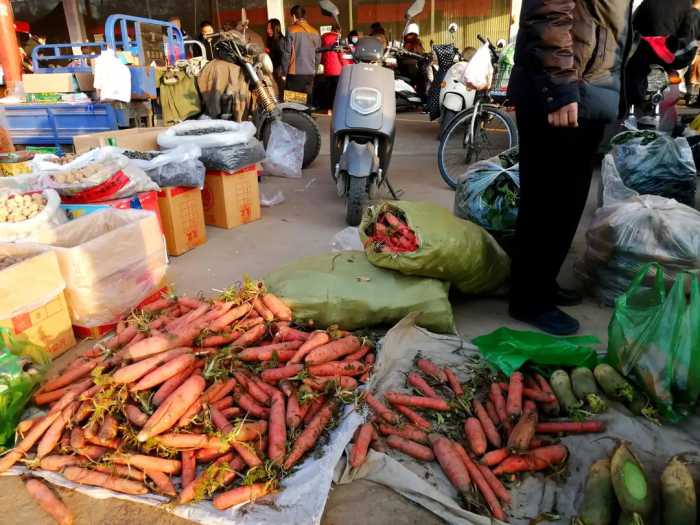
x,y
432,19
9,48
74,21
350,20
275,9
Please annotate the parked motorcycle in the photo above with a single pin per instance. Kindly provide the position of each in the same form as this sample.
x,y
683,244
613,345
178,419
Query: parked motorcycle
x,y
364,121
265,108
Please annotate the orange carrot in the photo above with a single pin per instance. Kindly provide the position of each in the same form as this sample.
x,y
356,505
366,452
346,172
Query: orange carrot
x,y
53,434
309,436
192,411
44,398
538,395
24,425
56,463
514,404
91,435
231,411
280,310
338,368
273,375
414,417
535,460
121,471
491,411
495,484
262,310
92,452
223,403
164,372
158,304
170,411
248,404
312,408
135,371
134,415
294,414
481,483
420,384
450,462
475,436
529,406
316,340
15,454
523,432
550,408
406,432
188,467
162,483
358,455
181,441
333,351
379,445
499,403
486,424
431,369
100,479
251,336
570,427
189,490
219,340
381,410
321,383
494,457
286,333
282,351
109,427
453,381
49,502
411,448
248,454
143,462
416,402
362,352
253,388
229,317
241,494
277,429
70,375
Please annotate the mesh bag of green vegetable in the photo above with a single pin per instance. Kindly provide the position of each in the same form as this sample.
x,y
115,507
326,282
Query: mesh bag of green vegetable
x,y
489,193
344,289
421,238
22,366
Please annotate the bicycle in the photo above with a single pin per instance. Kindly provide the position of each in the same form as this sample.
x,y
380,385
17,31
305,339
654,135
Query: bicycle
x,y
479,132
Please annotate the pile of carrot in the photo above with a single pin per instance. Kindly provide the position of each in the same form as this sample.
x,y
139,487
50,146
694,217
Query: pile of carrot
x,y
194,399
475,437
391,234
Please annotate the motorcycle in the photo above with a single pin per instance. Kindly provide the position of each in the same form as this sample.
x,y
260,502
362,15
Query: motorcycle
x,y
364,121
264,108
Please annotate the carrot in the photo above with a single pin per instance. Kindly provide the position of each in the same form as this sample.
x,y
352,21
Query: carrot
x,y
369,359
358,455
280,310
172,409
24,425
256,393
100,479
158,304
53,434
453,381
143,462
121,471
523,432
262,310
550,408
307,439
359,354
49,502
222,389
223,403
475,436
72,374
108,429
286,333
494,457
514,404
414,417
135,371
450,463
77,438
538,395
411,448
181,441
333,350
381,410
241,494
251,336
248,404
273,375
188,467
91,435
231,411
56,463
219,340
294,415
431,369
535,460
163,373
379,445
416,402
134,415
570,427
499,403
248,454
487,425
316,340
92,452
258,390
529,406
15,454
229,317
406,432
321,383
277,429
162,483
191,412
189,490
495,484
44,398
420,384
282,351
486,491
491,411
338,368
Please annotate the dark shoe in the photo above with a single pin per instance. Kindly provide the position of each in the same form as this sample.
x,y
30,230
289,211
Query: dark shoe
x,y
552,321
566,297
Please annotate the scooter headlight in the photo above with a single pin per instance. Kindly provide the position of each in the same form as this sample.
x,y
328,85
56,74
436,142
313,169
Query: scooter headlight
x,y
365,100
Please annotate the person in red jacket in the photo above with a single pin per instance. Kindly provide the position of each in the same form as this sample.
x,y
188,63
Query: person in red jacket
x,y
332,62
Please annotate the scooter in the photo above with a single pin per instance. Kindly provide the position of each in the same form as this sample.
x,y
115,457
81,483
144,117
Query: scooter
x,y
364,121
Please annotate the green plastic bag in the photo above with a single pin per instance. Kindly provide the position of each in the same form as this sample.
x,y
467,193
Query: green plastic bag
x,y
654,338
449,248
508,349
346,290
22,367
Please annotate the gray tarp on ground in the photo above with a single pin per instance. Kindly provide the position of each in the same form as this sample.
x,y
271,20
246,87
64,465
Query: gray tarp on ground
x,y
426,485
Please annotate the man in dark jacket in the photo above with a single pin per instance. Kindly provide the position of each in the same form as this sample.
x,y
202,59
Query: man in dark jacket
x,y
566,86
300,54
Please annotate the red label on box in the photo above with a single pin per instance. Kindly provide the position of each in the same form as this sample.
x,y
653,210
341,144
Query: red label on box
x,y
21,323
246,212
100,192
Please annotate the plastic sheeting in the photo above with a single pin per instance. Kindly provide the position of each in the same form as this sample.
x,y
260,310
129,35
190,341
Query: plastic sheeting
x,y
207,134
179,166
235,157
285,151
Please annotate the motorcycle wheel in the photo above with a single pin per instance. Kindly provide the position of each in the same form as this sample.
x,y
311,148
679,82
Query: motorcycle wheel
x,y
356,200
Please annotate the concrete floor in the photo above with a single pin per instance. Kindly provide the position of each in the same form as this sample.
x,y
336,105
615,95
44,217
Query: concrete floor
x,y
304,225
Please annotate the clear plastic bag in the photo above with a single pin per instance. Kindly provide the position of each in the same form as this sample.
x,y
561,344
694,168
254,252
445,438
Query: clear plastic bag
x,y
479,73
285,151
51,216
631,230
233,158
179,166
207,134
653,163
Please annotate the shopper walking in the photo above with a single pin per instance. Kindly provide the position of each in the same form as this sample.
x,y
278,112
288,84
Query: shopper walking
x,y
274,43
333,63
300,56
565,89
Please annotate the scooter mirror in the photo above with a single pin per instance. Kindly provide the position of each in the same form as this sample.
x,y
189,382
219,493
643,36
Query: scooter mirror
x,y
452,28
414,9
328,8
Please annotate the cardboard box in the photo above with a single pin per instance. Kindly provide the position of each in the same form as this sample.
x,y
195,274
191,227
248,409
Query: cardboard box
x,y
137,139
49,83
231,198
32,303
147,200
182,215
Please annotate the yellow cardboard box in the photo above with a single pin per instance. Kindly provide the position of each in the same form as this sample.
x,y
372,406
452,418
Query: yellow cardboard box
x,y
182,215
137,139
231,198
49,83
32,303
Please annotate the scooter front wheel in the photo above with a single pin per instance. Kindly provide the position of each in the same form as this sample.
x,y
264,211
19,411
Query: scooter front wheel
x,y
356,200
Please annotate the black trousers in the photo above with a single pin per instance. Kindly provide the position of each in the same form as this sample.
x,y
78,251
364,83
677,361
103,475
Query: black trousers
x,y
556,165
301,84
